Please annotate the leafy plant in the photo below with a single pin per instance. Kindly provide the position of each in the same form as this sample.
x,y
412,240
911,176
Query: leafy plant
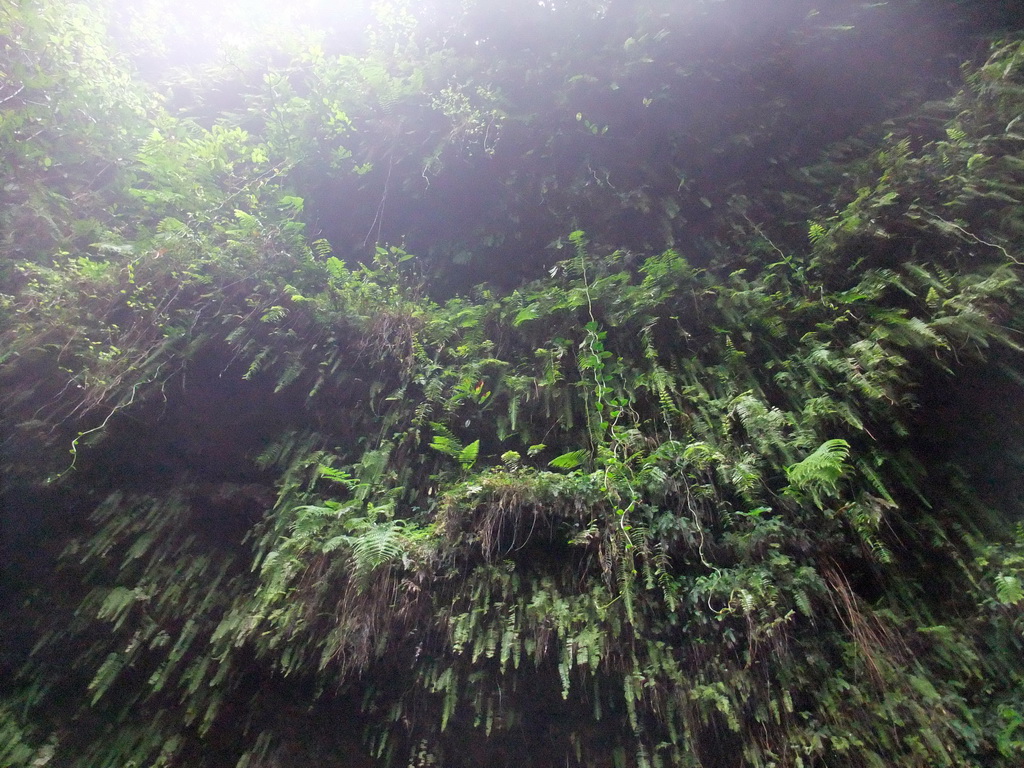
x,y
820,471
330,480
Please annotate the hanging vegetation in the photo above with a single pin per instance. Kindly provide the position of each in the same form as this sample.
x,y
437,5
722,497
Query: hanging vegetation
x,y
715,467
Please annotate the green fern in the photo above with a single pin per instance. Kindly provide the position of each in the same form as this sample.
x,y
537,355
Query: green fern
x,y
816,233
467,456
819,473
274,314
1009,590
377,546
447,443
570,460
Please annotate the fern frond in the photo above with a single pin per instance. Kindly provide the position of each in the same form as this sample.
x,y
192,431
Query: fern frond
x,y
467,456
819,472
377,546
569,460
274,314
447,446
380,544
1009,590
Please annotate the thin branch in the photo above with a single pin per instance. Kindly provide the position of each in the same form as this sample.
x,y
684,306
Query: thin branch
x,y
8,98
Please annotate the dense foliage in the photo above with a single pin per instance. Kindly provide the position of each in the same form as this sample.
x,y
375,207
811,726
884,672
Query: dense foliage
x,y
718,464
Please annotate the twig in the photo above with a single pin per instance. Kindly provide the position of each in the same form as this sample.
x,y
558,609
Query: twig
x,y
978,240
5,99
74,443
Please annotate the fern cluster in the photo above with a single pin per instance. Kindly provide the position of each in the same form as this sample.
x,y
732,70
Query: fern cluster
x,y
665,512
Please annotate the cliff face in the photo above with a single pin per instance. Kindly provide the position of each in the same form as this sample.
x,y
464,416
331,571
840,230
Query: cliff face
x,y
631,413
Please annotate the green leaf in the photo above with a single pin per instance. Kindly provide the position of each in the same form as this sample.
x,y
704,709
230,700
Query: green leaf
x,y
467,456
1009,590
820,471
274,314
293,202
526,313
569,460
